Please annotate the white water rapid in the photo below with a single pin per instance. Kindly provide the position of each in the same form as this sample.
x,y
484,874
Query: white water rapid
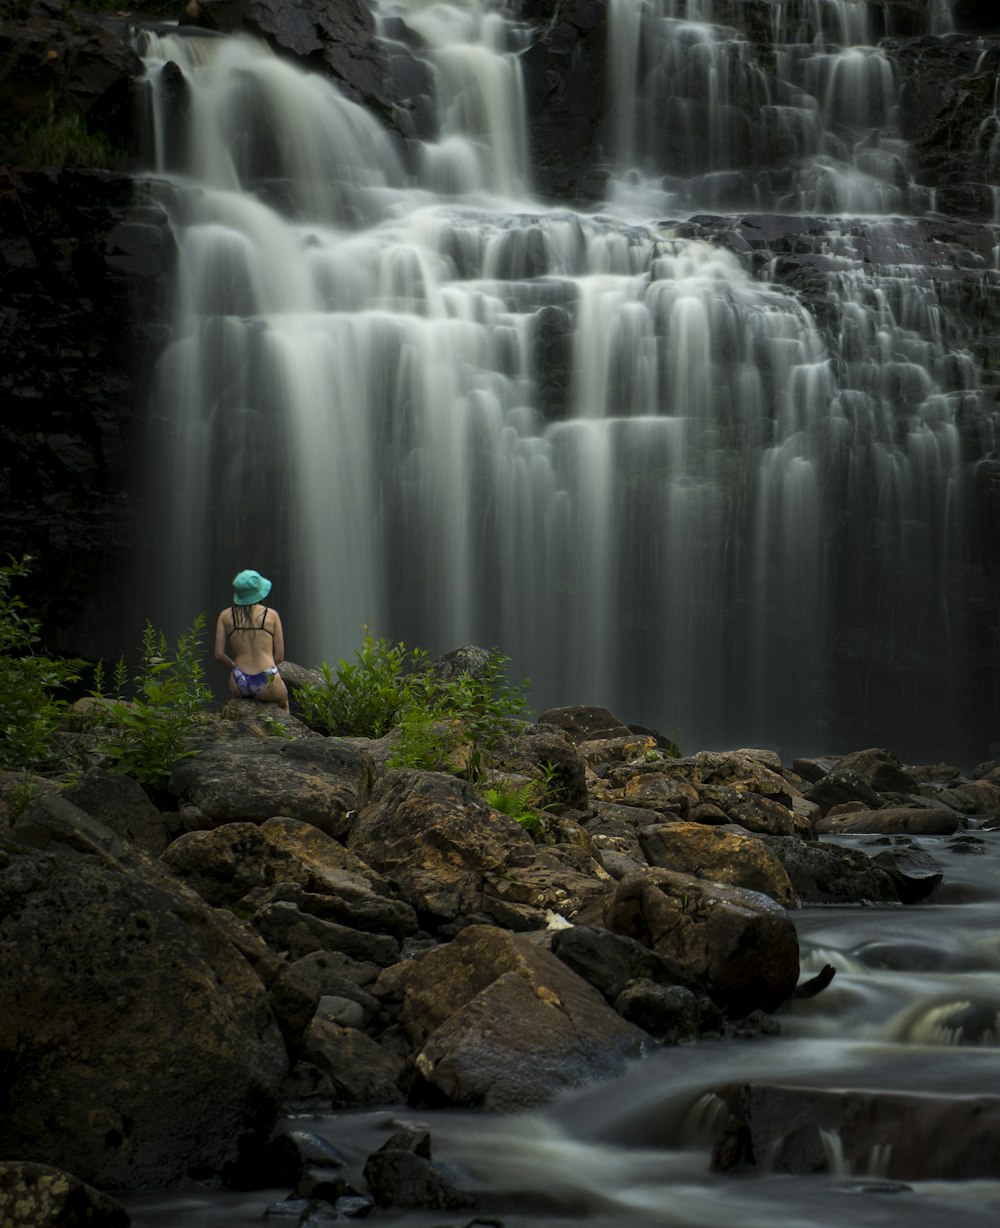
x,y
426,403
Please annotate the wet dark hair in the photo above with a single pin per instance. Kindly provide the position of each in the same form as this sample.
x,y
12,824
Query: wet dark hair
x,y
242,620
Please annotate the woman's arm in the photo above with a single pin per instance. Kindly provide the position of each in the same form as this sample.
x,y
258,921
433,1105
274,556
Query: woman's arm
x,y
279,640
221,636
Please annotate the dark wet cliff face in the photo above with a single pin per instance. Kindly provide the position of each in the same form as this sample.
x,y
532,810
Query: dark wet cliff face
x,y
86,262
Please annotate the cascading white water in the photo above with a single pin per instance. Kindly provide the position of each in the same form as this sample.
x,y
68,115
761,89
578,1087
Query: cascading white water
x,y
363,398
814,133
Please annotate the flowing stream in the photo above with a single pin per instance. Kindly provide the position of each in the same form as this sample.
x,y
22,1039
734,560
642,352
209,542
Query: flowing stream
x,y
426,403
914,1007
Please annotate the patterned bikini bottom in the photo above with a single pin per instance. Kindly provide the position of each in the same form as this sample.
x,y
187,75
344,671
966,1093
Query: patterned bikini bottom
x,y
251,685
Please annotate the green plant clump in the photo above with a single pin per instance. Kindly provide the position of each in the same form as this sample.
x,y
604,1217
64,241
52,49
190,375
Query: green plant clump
x,y
146,734
63,139
364,698
515,803
389,686
30,713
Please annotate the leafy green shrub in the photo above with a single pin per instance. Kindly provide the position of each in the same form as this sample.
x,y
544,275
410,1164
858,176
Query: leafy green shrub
x,y
482,706
366,698
389,686
145,735
29,712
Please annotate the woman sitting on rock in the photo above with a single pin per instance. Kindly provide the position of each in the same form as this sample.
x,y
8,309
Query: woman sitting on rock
x,y
252,634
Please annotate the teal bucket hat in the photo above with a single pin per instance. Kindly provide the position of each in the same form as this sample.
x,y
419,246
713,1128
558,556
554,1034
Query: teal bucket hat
x,y
250,587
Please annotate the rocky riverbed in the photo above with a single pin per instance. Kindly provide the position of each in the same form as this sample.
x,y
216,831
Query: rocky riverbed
x,y
303,929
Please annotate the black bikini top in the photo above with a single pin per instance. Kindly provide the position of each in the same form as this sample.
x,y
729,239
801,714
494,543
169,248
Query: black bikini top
x,y
253,629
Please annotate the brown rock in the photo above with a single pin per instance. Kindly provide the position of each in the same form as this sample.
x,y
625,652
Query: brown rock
x,y
438,842
359,1070
497,1021
738,944
143,1050
915,821
243,861
881,769
658,791
317,780
39,1196
972,797
721,856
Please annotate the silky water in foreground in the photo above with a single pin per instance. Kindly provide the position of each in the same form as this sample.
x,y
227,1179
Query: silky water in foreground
x,y
914,1008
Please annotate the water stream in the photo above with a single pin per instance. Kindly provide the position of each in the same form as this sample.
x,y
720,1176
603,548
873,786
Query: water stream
x,y
425,402
914,1007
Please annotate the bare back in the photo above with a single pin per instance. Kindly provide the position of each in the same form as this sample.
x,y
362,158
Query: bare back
x,y
254,647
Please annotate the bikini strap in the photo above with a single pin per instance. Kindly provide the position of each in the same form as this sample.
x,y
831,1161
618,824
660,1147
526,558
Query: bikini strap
x,y
263,618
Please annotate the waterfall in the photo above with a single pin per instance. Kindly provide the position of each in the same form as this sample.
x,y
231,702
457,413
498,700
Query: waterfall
x,y
427,403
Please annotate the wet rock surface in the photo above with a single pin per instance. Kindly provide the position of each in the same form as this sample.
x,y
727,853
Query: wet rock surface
x,y
923,1137
434,953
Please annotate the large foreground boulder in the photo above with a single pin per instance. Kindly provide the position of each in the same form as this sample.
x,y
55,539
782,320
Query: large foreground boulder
x,y
140,1048
497,1021
737,945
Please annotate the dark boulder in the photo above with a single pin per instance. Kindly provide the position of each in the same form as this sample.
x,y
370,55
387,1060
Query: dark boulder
x,y
402,1174
610,961
669,1013
880,769
827,874
442,846
122,803
914,872
143,1048
840,786
357,1069
499,1022
737,945
922,1137
335,39
39,1196
317,780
